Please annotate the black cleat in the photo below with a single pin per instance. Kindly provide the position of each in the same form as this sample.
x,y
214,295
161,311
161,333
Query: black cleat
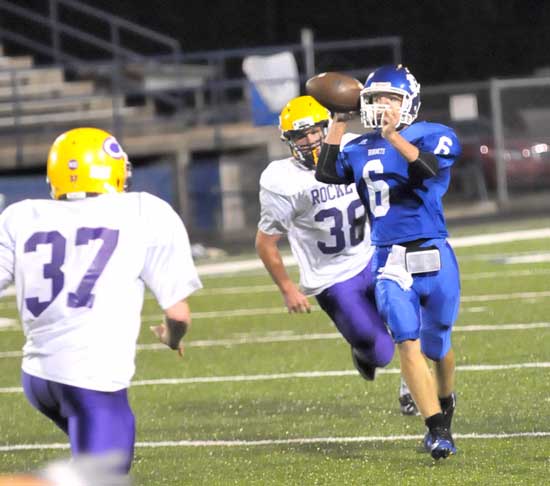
x,y
449,410
440,443
367,371
407,405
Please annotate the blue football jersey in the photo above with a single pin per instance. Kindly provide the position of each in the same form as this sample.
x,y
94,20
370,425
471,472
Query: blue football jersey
x,y
401,208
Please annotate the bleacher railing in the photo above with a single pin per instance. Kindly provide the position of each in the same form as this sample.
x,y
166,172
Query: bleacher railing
x,y
192,88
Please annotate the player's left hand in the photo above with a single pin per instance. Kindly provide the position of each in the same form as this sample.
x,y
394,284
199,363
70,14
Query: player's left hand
x,y
162,333
390,121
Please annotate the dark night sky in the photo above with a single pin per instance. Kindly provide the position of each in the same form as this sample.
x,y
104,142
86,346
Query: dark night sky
x,y
443,41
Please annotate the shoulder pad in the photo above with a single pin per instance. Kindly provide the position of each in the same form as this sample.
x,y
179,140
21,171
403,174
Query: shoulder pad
x,y
286,178
347,138
425,128
434,137
149,199
13,210
151,205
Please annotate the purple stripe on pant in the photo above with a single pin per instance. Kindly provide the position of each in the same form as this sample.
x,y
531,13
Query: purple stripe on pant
x,y
96,422
351,306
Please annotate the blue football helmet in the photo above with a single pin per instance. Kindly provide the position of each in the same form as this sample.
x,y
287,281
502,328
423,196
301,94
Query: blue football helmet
x,y
390,79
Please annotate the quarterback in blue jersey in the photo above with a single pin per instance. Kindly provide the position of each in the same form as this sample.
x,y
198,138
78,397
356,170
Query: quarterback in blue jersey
x,y
402,170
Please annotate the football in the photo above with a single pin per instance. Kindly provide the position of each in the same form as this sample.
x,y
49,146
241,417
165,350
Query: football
x,y
335,91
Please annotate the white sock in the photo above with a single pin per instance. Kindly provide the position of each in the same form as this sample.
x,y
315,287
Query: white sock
x,y
403,388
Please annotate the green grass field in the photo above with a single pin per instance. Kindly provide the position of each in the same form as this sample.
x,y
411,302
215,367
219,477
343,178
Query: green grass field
x,y
264,398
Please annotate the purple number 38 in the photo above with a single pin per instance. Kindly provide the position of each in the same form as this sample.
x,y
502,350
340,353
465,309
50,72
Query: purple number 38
x,y
83,296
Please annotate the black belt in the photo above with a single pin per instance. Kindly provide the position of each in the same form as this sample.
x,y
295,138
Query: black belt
x,y
410,245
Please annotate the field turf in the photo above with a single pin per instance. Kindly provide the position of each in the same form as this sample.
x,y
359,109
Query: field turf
x,y
266,398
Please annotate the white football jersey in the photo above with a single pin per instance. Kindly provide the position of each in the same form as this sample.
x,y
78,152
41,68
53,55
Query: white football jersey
x,y
326,224
79,269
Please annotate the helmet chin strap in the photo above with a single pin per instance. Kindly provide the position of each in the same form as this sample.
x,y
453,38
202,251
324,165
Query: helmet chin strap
x,y
308,160
109,189
129,173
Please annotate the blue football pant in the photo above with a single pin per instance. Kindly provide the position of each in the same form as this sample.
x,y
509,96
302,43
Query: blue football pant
x,y
429,309
96,422
351,306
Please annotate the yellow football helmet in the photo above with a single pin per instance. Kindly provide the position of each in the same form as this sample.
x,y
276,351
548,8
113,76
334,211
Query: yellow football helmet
x,y
85,162
297,119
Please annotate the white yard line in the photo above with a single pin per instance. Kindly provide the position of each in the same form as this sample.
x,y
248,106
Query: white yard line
x,y
501,327
283,310
271,288
239,266
459,242
152,318
287,336
7,323
503,237
228,313
12,324
11,354
299,374
532,272
245,289
295,441
317,374
473,309
537,258
327,440
513,295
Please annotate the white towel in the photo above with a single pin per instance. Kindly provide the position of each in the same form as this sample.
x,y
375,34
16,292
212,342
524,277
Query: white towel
x,y
395,268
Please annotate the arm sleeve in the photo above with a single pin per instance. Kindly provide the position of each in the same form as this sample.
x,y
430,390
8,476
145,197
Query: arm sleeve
x,y
276,212
425,166
330,168
169,270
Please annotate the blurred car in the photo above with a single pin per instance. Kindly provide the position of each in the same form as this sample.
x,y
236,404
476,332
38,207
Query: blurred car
x,y
527,158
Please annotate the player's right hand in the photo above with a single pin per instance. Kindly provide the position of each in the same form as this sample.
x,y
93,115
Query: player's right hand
x,y
343,117
295,301
390,121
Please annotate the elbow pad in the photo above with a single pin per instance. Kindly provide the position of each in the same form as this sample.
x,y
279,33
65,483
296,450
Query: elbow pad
x,y
425,166
325,171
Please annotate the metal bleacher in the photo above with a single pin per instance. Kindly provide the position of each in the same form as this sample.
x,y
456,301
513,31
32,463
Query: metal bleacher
x,y
54,86
54,75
